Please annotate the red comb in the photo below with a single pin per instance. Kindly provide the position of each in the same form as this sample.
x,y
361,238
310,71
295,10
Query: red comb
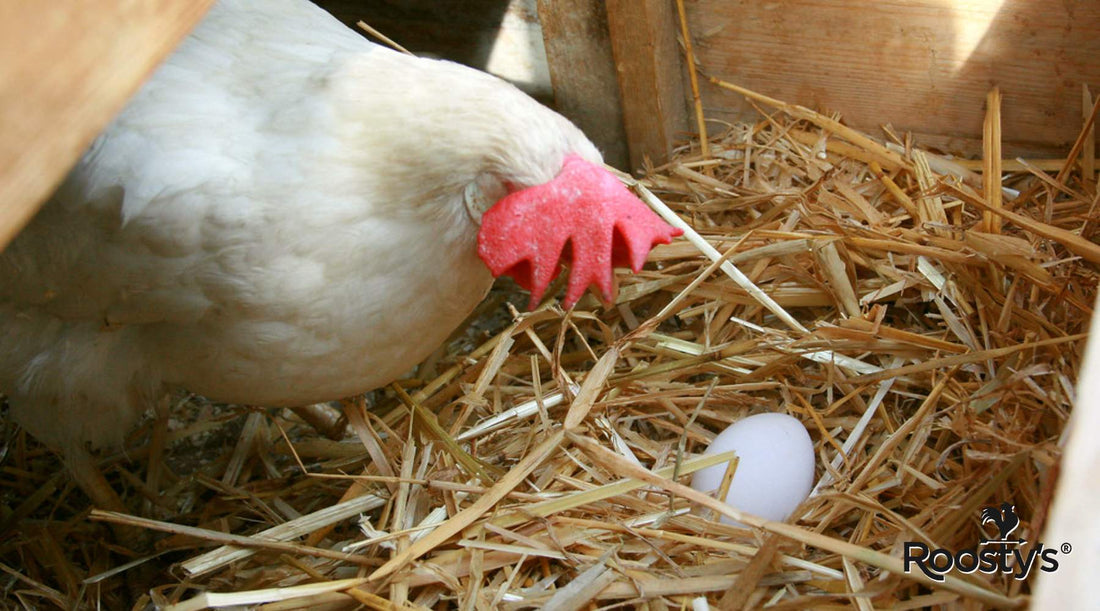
x,y
523,235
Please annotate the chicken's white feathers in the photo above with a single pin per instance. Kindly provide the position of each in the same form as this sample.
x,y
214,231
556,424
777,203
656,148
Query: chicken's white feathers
x,y
276,218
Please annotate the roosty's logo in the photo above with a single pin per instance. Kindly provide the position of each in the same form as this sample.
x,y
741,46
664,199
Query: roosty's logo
x,y
1000,555
1006,520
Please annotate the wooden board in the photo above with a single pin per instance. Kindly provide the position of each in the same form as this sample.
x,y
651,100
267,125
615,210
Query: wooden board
x,y
921,65
66,68
651,79
1072,528
582,70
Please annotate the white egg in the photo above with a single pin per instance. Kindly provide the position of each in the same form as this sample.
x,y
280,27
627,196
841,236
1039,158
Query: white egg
x,y
775,468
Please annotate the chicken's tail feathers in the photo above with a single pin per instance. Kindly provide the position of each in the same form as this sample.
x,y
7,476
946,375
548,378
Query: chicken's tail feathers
x,y
71,382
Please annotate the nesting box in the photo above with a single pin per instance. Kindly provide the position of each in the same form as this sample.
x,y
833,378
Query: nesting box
x,y
863,251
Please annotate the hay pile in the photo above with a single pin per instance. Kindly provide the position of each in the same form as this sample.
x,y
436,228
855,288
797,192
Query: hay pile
x,y
923,323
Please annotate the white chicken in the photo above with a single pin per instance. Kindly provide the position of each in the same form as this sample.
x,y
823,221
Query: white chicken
x,y
287,214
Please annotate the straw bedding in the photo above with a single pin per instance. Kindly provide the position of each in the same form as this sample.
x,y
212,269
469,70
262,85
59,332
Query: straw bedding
x,y
923,317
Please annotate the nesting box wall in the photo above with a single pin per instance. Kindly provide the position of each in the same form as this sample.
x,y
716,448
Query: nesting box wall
x,y
921,65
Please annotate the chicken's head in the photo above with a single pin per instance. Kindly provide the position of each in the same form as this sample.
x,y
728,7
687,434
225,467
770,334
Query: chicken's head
x,y
525,235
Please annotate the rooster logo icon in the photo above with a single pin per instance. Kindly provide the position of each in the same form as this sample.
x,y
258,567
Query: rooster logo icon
x,y
1003,554
1006,520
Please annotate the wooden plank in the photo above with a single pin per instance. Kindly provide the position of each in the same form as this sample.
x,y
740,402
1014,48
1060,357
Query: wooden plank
x,y
1072,529
651,79
582,70
922,65
66,68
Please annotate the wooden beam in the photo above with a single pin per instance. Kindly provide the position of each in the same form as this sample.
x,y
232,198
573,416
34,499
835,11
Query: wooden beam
x,y
582,70
651,79
67,69
1071,527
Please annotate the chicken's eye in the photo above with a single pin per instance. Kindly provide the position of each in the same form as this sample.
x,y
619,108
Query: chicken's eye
x,y
481,194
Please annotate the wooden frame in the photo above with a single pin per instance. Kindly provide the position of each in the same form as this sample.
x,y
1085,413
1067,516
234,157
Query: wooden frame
x,y
582,70
651,81
67,68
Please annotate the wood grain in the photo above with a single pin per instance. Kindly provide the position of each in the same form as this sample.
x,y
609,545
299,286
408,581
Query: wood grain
x,y
582,70
921,65
66,68
651,79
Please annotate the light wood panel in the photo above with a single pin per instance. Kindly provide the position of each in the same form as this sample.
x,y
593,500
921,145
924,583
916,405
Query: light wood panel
x,y
66,68
921,65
